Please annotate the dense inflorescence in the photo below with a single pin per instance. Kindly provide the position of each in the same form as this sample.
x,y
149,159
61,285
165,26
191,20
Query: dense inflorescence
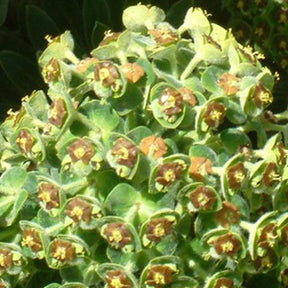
x,y
154,162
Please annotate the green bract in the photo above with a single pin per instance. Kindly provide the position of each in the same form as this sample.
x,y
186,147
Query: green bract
x,y
154,162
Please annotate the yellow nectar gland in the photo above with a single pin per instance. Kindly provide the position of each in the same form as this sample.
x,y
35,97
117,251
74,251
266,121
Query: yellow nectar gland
x,y
159,278
116,236
169,176
60,253
45,196
203,199
227,247
28,241
239,176
79,152
159,230
77,211
116,283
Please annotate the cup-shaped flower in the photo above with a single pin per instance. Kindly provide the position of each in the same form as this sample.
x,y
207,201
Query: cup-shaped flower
x,y
62,251
153,146
224,282
118,279
171,103
163,36
160,275
12,261
5,259
158,228
48,194
261,96
267,260
57,112
214,114
125,152
188,96
132,72
81,150
199,167
228,215
78,210
202,198
236,174
109,37
31,239
267,235
82,211
116,234
229,83
167,174
270,175
51,71
107,74
226,245
25,141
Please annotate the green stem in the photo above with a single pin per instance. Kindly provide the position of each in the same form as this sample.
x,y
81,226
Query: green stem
x,y
247,225
190,67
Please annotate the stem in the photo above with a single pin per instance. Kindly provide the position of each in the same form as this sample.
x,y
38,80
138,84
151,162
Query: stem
x,y
190,67
71,56
246,225
122,57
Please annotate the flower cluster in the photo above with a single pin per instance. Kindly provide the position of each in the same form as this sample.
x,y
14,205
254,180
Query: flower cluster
x,y
153,162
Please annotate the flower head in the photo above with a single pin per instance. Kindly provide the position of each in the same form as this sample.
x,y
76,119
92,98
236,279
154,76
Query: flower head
x,y
118,279
214,114
5,259
63,250
51,71
188,96
265,261
262,96
117,234
81,150
202,198
227,244
158,228
270,175
163,36
227,215
236,175
229,83
125,152
57,112
168,173
268,235
107,73
154,146
48,194
79,210
132,71
224,282
171,103
159,275
199,167
30,238
25,141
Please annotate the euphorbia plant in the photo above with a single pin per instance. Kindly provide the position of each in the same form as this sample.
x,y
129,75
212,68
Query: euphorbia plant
x,y
152,163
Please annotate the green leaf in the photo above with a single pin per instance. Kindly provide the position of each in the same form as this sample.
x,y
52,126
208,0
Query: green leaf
x,y
233,138
203,151
210,78
17,205
129,101
101,115
39,24
23,73
122,202
105,52
13,179
3,11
